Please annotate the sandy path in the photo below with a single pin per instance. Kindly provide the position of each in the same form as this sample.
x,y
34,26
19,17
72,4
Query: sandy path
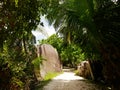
x,y
68,81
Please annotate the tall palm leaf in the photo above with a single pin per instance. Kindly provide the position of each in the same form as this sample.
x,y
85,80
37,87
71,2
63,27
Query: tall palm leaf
x,y
94,24
74,18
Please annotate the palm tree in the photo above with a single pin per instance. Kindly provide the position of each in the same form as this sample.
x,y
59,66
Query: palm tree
x,y
73,18
84,21
94,25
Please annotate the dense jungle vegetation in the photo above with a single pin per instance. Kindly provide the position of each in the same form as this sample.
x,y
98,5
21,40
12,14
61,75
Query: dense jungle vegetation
x,y
90,27
70,55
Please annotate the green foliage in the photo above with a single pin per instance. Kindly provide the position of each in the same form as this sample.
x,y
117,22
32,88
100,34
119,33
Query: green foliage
x,y
48,77
37,61
17,82
15,67
51,75
55,41
17,19
90,23
22,18
94,25
75,23
70,54
15,63
76,72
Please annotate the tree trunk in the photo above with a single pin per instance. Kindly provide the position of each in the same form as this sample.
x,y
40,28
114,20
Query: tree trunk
x,y
111,56
91,71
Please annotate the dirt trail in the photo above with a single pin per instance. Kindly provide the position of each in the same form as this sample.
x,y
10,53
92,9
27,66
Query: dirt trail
x,y
68,81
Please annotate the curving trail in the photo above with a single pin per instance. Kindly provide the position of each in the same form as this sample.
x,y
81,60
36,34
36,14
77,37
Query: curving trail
x,y
68,81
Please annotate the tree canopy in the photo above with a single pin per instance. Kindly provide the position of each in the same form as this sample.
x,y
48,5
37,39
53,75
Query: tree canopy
x,y
94,25
70,55
86,21
17,19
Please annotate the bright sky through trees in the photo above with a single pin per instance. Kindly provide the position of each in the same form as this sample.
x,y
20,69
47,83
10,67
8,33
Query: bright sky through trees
x,y
48,29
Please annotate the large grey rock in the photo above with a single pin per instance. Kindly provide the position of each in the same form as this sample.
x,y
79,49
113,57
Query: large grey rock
x,y
51,62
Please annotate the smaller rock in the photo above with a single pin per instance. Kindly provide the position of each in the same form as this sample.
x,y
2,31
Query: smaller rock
x,y
84,69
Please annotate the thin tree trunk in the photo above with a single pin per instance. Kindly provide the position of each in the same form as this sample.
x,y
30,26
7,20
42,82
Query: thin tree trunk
x,y
91,71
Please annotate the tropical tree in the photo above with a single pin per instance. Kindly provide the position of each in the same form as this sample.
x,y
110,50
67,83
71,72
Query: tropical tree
x,y
70,54
75,22
94,25
17,19
107,22
55,41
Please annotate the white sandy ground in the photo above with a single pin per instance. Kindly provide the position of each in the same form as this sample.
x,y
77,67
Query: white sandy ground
x,y
68,81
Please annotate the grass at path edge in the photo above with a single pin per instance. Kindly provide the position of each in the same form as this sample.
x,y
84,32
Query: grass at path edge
x,y
48,77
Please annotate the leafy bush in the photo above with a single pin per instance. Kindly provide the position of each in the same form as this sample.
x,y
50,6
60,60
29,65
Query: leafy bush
x,y
15,69
70,54
37,61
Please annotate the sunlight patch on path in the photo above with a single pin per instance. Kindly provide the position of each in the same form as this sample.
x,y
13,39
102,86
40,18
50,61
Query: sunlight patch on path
x,y
68,76
69,81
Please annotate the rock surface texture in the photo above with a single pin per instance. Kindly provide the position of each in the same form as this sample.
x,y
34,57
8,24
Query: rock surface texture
x,y
84,69
51,62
